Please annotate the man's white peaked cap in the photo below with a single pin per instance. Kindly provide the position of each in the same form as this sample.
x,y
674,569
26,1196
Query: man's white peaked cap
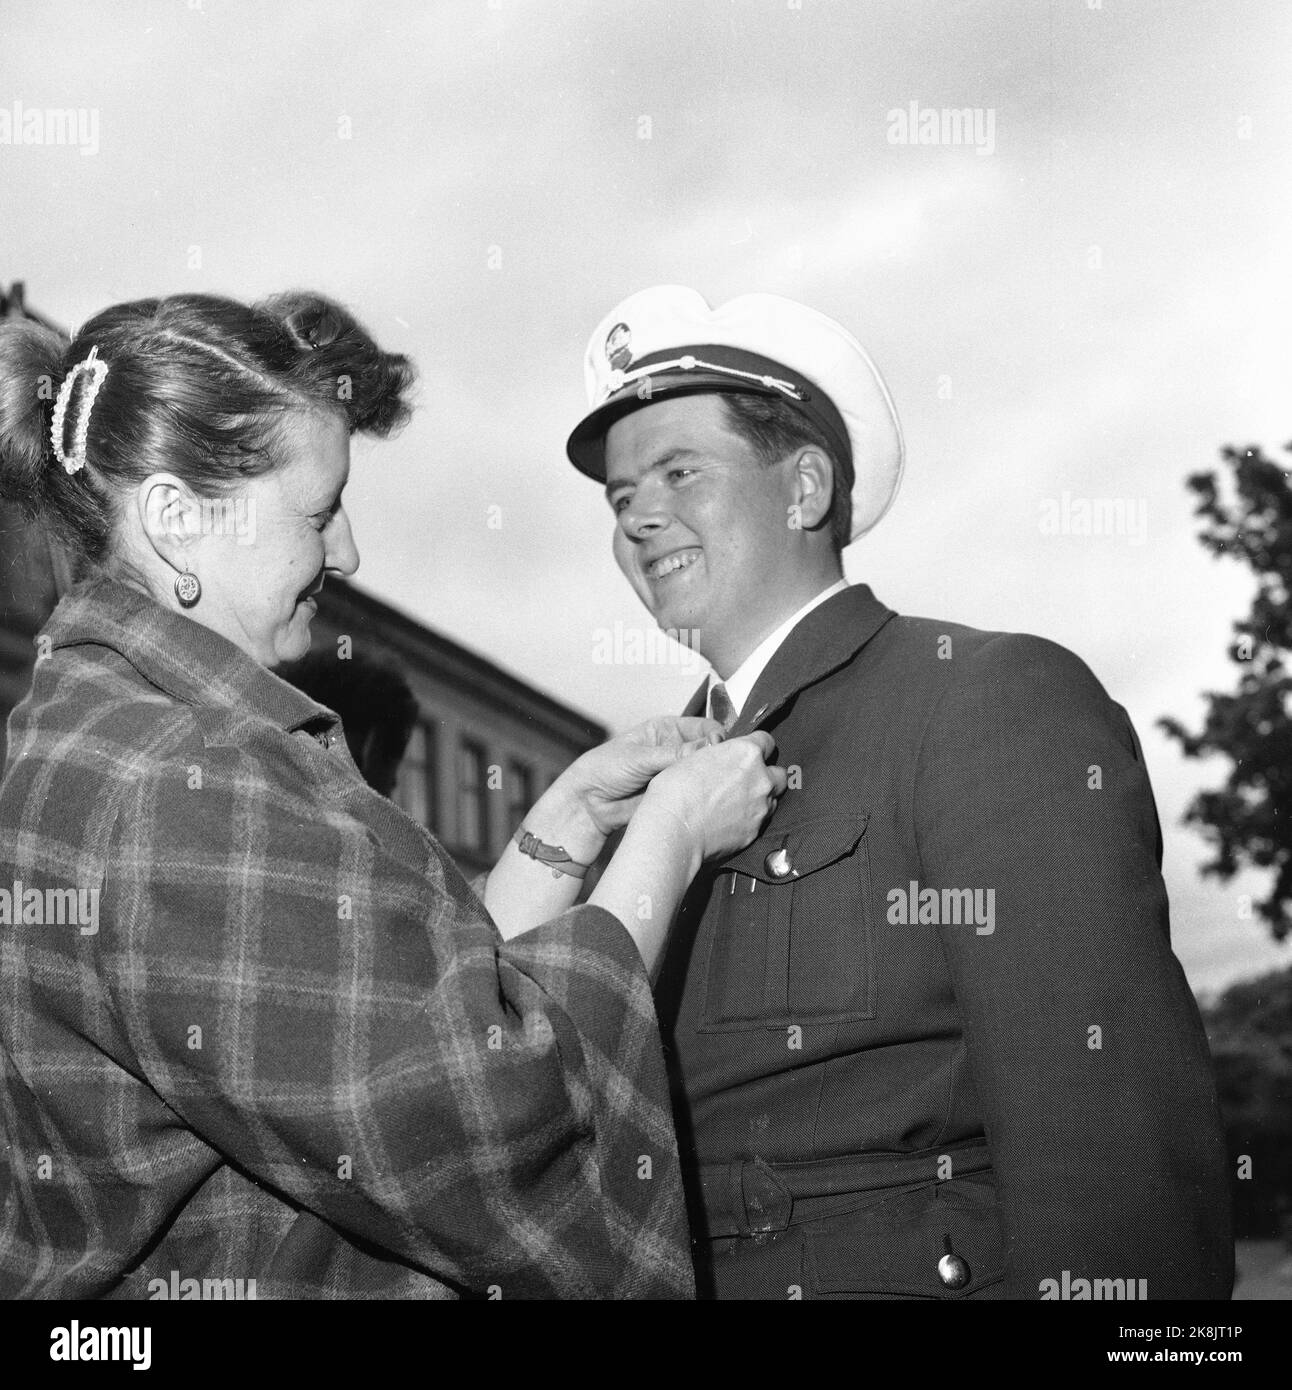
x,y
667,341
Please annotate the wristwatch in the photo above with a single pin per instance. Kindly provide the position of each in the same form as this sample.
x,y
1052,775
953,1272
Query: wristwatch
x,y
554,856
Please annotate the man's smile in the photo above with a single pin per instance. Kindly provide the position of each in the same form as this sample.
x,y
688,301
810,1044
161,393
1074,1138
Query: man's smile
x,y
672,563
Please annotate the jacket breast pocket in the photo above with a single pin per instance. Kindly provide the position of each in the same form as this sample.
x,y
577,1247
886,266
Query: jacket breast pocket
x,y
792,932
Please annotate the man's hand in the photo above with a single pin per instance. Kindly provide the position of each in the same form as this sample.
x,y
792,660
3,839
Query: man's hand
x,y
609,780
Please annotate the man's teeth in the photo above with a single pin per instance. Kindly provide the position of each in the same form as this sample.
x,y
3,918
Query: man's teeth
x,y
659,568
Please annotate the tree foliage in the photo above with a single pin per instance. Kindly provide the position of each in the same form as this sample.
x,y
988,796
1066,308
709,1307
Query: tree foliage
x,y
1250,1031
1248,820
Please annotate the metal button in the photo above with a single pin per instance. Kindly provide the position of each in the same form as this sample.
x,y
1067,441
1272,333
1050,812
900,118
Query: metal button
x,y
953,1271
779,864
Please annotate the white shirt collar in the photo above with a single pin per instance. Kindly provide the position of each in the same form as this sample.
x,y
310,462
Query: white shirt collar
x,y
743,679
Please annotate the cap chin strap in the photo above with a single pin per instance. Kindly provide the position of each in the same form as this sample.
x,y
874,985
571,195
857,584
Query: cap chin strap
x,y
619,379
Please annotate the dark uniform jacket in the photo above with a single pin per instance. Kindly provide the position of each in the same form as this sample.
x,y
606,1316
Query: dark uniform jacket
x,y
926,1035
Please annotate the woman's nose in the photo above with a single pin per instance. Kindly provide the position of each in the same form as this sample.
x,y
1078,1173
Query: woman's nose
x,y
342,553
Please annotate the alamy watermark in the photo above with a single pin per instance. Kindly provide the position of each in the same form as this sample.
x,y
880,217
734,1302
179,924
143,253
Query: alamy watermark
x,y
647,646
72,1342
913,905
50,907
210,1290
1093,1290
77,126
1095,516
914,124
227,516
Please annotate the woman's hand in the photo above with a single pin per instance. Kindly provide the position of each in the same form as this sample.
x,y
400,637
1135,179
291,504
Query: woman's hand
x,y
609,780
706,804
721,795
595,795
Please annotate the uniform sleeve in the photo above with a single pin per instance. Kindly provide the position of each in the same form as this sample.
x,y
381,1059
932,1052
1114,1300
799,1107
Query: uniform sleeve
x,y
355,1034
1082,1036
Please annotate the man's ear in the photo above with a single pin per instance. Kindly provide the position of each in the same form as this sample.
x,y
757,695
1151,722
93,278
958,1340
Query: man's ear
x,y
814,488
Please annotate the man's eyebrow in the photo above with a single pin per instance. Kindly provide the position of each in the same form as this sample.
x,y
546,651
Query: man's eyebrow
x,y
662,462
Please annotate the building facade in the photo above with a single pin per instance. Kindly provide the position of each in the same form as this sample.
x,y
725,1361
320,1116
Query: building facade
x,y
485,743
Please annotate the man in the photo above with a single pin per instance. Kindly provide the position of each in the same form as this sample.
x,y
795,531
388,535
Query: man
x,y
926,1035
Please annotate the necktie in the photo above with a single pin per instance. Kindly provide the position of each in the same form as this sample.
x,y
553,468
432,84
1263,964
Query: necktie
x,y
720,706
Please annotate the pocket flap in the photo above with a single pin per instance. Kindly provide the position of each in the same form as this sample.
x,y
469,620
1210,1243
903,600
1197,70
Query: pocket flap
x,y
791,851
895,1246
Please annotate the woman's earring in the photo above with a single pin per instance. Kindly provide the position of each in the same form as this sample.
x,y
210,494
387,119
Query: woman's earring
x,y
187,589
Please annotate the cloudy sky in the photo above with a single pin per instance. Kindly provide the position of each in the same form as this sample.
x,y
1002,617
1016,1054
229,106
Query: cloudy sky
x,y
1089,302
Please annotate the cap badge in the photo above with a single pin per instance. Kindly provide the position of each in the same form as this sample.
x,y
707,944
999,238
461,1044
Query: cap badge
x,y
618,352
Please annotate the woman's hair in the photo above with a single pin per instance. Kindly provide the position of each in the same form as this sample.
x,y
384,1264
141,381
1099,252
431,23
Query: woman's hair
x,y
197,385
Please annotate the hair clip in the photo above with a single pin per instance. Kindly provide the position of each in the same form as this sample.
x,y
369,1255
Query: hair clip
x,y
98,370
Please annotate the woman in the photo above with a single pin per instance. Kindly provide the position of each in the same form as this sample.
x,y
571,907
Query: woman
x,y
253,1023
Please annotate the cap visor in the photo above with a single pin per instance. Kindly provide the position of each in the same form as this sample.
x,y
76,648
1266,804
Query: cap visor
x,y
586,446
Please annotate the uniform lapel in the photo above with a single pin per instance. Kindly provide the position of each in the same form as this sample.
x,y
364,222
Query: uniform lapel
x,y
831,635
698,705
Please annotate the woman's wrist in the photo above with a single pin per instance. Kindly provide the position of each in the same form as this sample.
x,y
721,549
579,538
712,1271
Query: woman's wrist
x,y
652,869
673,839
561,817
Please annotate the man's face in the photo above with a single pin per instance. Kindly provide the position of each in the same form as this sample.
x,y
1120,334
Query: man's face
x,y
701,522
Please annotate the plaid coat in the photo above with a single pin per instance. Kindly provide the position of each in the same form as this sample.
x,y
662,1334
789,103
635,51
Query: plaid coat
x,y
275,1036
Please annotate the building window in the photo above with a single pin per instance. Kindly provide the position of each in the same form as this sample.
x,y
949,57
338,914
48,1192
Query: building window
x,y
520,793
416,790
473,809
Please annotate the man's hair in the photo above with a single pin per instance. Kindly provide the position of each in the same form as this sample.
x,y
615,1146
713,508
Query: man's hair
x,y
774,428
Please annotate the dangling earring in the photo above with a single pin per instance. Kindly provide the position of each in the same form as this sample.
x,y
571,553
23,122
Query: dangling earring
x,y
187,588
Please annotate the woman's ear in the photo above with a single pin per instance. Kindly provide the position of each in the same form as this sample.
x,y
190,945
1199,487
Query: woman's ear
x,y
814,487
169,516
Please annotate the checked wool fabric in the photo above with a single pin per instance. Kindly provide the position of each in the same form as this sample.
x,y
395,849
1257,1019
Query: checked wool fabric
x,y
296,1049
